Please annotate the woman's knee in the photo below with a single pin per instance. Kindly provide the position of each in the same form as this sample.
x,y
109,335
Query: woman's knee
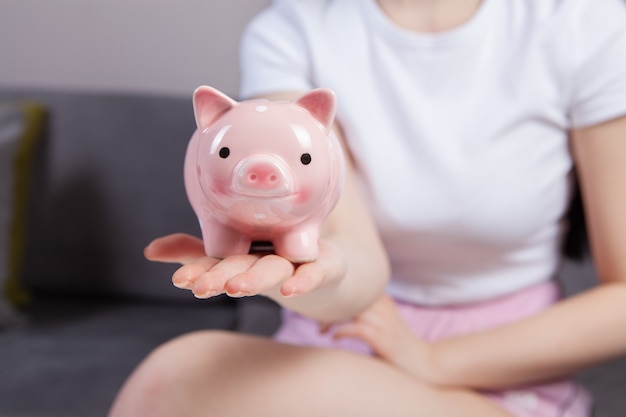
x,y
175,372
191,356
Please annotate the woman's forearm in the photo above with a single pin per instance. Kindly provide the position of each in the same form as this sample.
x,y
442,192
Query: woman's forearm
x,y
353,265
576,333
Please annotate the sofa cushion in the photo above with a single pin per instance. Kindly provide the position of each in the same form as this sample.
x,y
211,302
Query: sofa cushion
x,y
108,179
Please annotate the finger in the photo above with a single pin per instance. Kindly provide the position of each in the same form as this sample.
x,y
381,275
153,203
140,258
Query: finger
x,y
307,277
267,272
379,341
186,275
328,268
328,327
356,330
175,248
325,327
212,281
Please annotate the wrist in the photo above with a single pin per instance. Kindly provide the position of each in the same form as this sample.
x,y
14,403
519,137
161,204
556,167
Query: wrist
x,y
423,361
440,365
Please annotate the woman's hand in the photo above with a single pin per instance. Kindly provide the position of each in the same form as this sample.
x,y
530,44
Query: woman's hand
x,y
244,275
351,271
386,332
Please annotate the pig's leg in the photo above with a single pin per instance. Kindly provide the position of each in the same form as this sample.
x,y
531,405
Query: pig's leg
x,y
299,245
221,241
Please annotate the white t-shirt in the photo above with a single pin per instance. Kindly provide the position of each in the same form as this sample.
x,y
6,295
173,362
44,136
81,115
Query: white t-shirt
x,y
460,136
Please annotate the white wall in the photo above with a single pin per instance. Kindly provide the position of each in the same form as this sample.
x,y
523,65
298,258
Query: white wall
x,y
159,46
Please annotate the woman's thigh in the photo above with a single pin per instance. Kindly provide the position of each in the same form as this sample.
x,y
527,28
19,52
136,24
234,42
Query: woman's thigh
x,y
224,374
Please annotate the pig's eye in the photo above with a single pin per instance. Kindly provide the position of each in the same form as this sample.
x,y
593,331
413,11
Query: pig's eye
x,y
305,159
224,152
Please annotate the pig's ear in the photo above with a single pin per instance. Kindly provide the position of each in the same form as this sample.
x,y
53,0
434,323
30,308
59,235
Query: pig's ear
x,y
321,103
209,104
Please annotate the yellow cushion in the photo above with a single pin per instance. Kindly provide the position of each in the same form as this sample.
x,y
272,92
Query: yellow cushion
x,y
31,128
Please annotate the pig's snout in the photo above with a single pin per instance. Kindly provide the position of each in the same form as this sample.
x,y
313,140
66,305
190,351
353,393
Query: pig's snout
x,y
262,176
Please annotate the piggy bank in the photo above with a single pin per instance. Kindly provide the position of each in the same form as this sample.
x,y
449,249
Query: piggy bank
x,y
260,170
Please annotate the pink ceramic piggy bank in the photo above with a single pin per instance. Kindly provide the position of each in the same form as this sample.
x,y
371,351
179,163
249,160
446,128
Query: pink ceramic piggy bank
x,y
263,170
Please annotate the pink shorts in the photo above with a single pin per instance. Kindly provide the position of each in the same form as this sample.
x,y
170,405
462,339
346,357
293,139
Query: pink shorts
x,y
562,398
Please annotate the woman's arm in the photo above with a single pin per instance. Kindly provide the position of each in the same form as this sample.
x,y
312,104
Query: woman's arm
x,y
349,274
353,269
576,333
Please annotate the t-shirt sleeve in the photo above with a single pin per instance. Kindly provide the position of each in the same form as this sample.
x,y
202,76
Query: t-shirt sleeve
x,y
273,54
598,53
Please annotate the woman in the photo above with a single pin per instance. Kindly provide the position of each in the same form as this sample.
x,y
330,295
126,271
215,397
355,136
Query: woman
x,y
464,121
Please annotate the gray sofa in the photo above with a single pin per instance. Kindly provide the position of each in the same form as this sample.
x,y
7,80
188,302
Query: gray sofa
x,y
107,180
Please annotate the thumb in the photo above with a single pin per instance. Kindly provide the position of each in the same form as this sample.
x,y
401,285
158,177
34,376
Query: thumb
x,y
175,248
